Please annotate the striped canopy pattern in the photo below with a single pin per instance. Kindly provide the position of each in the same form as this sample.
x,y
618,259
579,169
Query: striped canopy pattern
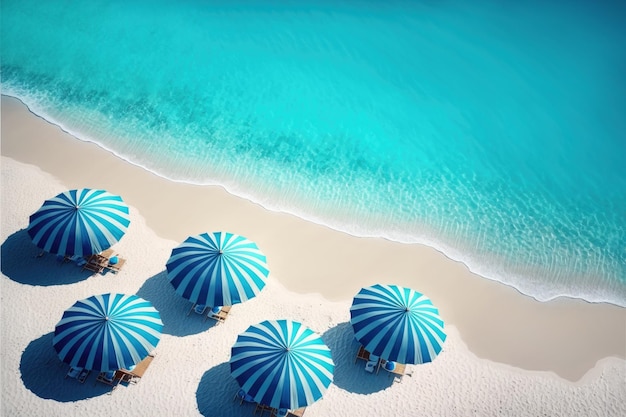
x,y
79,222
217,269
282,363
107,332
398,324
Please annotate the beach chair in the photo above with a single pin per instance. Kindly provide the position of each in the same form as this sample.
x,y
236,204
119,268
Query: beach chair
x,y
95,264
78,260
135,374
73,372
242,396
93,267
362,354
99,261
262,408
219,313
80,374
280,412
116,266
198,309
370,366
213,312
371,361
125,378
111,378
395,370
62,259
288,413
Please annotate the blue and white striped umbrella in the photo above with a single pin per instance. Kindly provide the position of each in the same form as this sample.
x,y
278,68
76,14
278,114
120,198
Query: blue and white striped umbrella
x,y
282,363
398,324
217,269
79,222
107,332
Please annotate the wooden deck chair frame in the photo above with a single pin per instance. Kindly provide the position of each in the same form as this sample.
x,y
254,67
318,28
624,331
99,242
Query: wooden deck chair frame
x,y
263,408
112,383
193,309
116,267
221,316
94,264
80,374
362,354
397,373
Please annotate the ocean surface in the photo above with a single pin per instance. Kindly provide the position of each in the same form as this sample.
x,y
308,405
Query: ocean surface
x,y
494,131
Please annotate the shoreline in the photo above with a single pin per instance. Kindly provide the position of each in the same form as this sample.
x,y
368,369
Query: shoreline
x,y
450,253
496,321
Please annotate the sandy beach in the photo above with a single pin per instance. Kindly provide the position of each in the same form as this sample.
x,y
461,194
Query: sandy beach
x,y
506,353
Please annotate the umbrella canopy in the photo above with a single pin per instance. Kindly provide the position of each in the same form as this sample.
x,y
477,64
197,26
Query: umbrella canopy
x,y
282,363
217,269
107,332
396,323
79,222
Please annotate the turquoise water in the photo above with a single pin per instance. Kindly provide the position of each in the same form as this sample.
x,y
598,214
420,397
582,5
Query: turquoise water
x,y
491,130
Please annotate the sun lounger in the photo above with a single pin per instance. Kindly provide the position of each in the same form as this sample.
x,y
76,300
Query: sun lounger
x,y
82,376
242,396
263,408
370,366
362,354
62,259
124,377
134,375
99,261
78,260
73,372
110,378
117,266
371,361
395,369
287,413
79,374
219,315
198,309
95,263
280,412
95,268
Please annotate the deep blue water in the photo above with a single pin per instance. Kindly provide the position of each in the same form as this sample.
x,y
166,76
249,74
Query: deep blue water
x,y
491,130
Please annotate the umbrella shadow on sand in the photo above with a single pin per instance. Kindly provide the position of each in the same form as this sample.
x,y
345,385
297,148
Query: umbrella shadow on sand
x,y
216,394
21,263
348,375
43,373
172,307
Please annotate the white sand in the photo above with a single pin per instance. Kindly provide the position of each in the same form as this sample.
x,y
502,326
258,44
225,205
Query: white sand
x,y
190,375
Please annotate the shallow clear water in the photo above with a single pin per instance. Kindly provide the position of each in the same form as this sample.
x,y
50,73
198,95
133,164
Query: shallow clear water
x,y
491,130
